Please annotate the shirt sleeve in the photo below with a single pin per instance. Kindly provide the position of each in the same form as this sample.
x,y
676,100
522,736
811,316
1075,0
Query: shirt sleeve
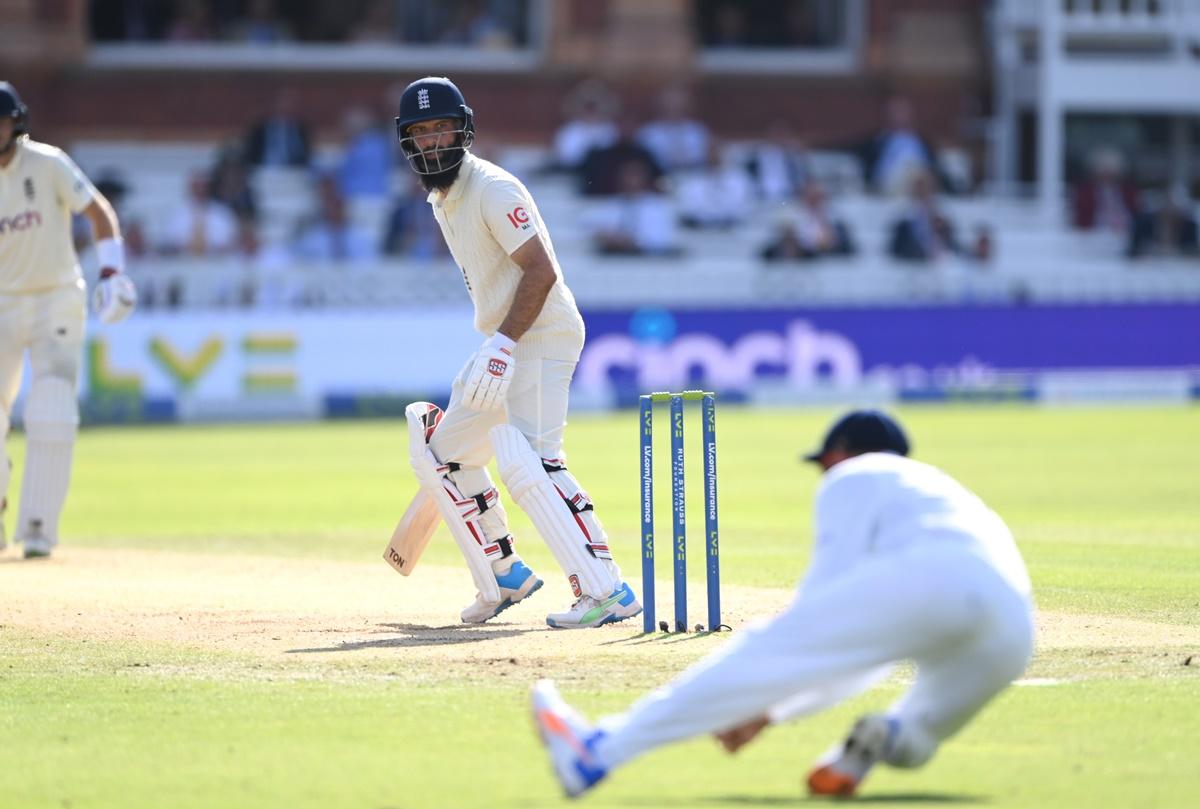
x,y
70,184
844,523
507,212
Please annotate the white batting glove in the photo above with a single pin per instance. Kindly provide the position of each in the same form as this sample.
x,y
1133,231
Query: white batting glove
x,y
115,297
487,383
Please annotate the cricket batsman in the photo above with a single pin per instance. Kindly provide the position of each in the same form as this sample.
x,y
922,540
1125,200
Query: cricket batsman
x,y
42,312
510,399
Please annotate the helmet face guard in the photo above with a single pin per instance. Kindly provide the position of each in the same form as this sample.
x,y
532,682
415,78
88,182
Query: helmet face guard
x,y
430,99
449,148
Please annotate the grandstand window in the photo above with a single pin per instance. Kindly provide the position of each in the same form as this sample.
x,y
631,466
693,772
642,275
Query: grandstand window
x,y
751,36
307,33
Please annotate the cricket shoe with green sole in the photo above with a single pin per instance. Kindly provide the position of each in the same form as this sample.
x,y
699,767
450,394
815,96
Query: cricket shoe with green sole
x,y
588,611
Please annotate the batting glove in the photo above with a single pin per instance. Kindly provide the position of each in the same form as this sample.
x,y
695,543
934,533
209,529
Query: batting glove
x,y
115,297
487,383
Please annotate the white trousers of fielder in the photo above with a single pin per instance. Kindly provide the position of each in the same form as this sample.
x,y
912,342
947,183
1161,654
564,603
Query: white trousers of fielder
x,y
968,631
536,406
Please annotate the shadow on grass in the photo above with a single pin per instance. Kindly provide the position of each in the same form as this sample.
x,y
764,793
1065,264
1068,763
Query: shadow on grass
x,y
419,635
877,798
659,637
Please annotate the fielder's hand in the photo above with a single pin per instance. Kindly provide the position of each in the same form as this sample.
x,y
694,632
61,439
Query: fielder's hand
x,y
115,297
738,737
487,383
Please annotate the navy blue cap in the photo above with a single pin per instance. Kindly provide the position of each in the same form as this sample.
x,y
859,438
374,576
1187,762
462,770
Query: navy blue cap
x,y
863,431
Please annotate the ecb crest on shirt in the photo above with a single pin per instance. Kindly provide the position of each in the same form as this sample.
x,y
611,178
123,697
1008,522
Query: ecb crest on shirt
x,y
29,192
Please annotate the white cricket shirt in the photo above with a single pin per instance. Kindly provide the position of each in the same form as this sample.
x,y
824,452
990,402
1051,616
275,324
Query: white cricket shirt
x,y
485,216
39,190
881,503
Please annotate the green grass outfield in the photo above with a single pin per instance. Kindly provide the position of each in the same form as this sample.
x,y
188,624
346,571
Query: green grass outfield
x,y
1105,504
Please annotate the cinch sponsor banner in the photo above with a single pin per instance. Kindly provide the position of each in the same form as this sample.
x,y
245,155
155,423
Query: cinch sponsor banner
x,y
736,350
238,356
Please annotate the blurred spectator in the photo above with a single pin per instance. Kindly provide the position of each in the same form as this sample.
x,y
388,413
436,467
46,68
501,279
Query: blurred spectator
x,y
676,140
785,244
128,20
230,184
329,235
811,231
891,157
377,24
261,25
718,195
590,109
770,23
411,230
282,139
1106,200
202,226
820,232
985,244
366,165
728,27
923,233
475,24
777,164
193,23
598,174
639,221
1165,229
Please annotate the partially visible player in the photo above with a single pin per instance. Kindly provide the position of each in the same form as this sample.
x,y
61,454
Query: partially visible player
x,y
906,565
510,398
43,312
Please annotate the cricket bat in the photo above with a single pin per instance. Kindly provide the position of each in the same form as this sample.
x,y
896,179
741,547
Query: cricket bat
x,y
412,533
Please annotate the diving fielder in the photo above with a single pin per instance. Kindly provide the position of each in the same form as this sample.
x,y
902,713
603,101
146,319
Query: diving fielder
x,y
42,312
907,565
510,398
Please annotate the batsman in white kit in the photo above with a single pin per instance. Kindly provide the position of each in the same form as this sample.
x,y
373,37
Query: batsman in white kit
x,y
42,312
510,399
907,564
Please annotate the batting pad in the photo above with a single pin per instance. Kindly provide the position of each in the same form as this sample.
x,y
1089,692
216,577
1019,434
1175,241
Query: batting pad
x,y
464,527
524,474
51,418
5,463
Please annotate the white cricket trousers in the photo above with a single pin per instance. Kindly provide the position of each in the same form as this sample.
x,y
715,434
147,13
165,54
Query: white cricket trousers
x,y
50,326
536,404
969,632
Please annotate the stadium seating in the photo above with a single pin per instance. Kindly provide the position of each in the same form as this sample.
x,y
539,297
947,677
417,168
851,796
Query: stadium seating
x,y
1035,260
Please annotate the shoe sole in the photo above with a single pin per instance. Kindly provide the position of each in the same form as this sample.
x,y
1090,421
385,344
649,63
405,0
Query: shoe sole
x,y
551,727
508,602
611,618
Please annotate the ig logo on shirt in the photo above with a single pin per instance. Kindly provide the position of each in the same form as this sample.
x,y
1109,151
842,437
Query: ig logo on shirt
x,y
519,218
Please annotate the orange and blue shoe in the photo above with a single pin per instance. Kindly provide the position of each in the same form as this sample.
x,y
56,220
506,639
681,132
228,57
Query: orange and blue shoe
x,y
569,739
842,769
